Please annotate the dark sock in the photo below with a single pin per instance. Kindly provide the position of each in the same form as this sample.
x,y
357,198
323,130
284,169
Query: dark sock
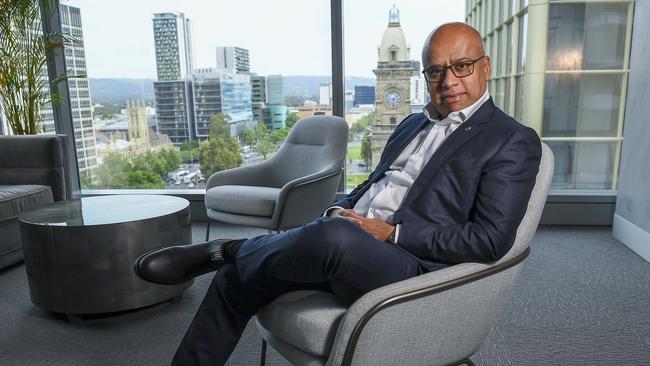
x,y
230,248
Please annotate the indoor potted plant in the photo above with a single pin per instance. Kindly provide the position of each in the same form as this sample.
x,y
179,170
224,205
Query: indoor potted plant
x,y
24,86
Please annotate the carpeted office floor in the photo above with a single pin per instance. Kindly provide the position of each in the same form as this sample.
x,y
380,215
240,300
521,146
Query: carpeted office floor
x,y
582,299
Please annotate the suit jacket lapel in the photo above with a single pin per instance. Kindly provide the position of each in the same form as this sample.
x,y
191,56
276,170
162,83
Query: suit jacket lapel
x,y
458,138
397,146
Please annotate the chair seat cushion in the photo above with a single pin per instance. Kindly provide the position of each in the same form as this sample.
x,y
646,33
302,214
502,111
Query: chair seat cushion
x,y
242,200
15,199
307,320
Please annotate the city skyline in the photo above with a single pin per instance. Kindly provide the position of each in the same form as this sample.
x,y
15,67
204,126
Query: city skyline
x,y
107,52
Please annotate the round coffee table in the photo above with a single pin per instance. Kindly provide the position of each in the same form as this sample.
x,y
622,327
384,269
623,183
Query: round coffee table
x,y
79,254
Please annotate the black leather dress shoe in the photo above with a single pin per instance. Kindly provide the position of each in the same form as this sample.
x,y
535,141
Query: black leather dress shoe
x,y
179,264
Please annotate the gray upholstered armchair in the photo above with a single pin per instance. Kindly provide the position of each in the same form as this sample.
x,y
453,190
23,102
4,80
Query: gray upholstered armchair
x,y
439,318
291,188
33,172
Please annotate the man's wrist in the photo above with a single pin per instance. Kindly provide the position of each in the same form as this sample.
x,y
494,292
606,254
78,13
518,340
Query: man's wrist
x,y
333,211
391,237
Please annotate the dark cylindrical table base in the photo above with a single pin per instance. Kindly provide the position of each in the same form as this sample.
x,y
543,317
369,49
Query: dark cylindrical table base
x,y
89,269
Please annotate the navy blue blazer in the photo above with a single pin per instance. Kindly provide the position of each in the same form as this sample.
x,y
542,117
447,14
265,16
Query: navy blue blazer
x,y
466,204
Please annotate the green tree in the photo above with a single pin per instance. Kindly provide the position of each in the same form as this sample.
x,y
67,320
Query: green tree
x,y
189,156
144,172
277,137
260,131
172,159
150,161
112,173
247,137
189,152
366,151
361,125
144,179
190,145
265,146
220,151
291,119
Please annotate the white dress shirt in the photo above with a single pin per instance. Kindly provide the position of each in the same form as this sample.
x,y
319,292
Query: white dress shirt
x,y
385,196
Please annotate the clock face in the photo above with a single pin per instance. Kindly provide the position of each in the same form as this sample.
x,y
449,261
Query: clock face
x,y
393,99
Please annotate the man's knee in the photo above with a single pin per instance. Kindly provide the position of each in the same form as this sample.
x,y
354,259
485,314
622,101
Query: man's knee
x,y
332,229
328,234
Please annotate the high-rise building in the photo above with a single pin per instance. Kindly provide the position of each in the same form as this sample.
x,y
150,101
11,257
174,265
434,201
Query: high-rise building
x,y
174,116
233,59
275,116
570,86
173,42
419,95
174,64
393,88
364,95
274,89
258,96
80,102
216,91
325,94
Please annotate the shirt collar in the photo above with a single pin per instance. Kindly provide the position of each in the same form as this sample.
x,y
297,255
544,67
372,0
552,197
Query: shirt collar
x,y
454,117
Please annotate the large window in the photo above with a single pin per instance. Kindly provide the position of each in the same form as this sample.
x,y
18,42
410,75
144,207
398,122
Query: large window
x,y
383,81
178,90
573,90
584,91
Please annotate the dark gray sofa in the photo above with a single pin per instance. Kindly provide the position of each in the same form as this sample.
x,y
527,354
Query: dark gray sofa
x,y
33,172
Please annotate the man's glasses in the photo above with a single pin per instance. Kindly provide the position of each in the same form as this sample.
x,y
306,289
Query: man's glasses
x,y
461,69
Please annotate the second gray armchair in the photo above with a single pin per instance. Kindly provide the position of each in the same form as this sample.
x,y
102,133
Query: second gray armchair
x,y
291,188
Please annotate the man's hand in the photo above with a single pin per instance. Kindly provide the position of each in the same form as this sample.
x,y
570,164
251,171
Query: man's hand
x,y
379,229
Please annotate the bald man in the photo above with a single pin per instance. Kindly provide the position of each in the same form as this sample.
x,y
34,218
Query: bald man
x,y
452,186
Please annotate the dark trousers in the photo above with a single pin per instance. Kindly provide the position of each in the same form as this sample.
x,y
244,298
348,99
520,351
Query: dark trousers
x,y
328,254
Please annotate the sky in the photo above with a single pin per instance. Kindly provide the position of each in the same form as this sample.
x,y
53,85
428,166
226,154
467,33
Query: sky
x,y
288,37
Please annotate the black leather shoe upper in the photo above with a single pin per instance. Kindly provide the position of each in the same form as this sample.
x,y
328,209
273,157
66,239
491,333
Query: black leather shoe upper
x,y
179,264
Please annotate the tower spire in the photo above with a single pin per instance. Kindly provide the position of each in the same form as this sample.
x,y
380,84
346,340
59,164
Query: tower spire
x,y
393,17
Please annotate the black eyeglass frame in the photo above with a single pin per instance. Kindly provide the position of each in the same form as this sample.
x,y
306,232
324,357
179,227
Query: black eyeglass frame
x,y
444,69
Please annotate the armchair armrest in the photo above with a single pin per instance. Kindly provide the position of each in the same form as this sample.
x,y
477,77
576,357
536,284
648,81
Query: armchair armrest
x,y
318,190
254,175
400,298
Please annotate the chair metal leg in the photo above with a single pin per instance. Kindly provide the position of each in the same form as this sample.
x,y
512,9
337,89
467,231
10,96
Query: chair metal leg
x,y
207,232
263,353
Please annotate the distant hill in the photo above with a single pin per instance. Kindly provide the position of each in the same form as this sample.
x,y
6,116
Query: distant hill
x,y
307,85
117,91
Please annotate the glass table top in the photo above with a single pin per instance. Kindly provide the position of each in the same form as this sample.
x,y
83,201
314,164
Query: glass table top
x,y
103,210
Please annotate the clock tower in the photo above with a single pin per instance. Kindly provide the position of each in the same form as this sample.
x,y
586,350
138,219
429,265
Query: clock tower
x,y
393,87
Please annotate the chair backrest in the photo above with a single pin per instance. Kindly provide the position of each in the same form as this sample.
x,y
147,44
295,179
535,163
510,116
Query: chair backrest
x,y
37,159
315,144
432,327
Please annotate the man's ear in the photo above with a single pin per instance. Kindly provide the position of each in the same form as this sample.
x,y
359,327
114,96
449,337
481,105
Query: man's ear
x,y
486,67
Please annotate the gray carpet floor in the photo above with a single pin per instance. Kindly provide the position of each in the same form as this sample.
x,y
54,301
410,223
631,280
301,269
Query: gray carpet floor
x,y
582,299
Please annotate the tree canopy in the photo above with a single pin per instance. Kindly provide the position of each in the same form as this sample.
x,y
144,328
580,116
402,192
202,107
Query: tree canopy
x,y
291,119
144,171
220,151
